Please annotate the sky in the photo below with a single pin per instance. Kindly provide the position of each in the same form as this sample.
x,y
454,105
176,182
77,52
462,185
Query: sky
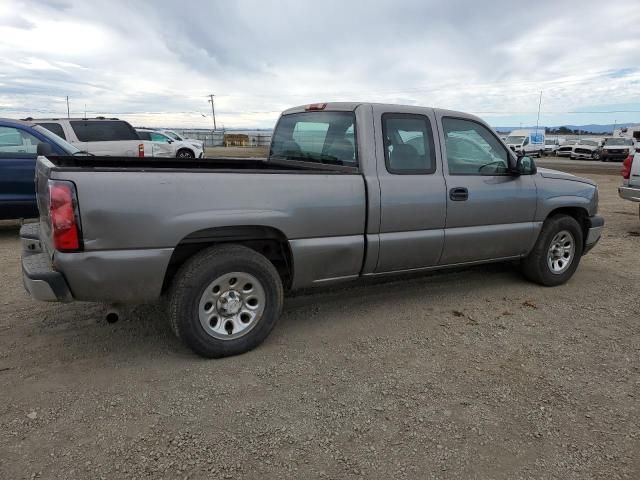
x,y
154,62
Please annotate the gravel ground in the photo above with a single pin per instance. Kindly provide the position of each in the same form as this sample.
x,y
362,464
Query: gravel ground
x,y
473,373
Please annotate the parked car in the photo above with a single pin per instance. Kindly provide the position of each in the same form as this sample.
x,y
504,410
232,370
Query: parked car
x,y
630,189
176,136
617,148
349,190
565,149
586,149
165,146
527,142
551,145
101,136
19,142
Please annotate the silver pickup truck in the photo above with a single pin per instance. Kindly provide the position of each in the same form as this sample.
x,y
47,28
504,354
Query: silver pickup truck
x,y
349,190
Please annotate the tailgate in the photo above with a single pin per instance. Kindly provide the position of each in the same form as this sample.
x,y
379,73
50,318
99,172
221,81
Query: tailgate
x,y
43,172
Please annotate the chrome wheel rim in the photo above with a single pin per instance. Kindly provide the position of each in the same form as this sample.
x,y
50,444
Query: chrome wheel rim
x,y
561,252
184,155
231,305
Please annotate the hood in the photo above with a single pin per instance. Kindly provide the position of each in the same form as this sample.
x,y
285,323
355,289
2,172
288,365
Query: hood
x,y
587,147
617,147
548,173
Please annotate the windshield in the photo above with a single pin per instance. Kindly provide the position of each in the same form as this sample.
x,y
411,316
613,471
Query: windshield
x,y
322,137
593,143
514,140
173,135
549,142
66,146
618,141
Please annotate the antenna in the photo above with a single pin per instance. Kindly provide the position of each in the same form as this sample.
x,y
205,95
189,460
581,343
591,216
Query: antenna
x,y
68,114
538,119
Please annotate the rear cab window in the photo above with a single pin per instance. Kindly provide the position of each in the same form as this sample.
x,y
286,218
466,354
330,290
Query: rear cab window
x,y
103,131
320,137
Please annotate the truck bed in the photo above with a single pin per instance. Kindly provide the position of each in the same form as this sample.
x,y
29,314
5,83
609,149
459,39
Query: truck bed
x,y
221,164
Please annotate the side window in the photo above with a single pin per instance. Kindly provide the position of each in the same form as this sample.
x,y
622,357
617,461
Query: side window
x,y
103,131
408,144
16,143
472,149
144,135
158,137
54,128
526,142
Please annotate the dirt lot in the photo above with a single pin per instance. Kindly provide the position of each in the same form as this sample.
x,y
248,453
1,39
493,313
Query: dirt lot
x,y
467,374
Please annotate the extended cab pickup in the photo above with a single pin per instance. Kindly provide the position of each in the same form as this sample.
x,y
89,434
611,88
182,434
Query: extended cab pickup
x,y
349,190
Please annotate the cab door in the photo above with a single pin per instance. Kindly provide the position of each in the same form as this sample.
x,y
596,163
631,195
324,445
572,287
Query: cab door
x,y
490,211
162,145
412,189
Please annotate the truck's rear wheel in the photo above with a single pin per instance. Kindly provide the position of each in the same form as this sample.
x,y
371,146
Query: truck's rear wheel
x,y
225,300
557,252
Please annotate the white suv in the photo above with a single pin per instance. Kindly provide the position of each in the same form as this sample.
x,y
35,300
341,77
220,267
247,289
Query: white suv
x,y
101,136
169,147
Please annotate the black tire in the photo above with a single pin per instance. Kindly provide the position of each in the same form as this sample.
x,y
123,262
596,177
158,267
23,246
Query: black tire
x,y
185,153
197,274
540,153
535,266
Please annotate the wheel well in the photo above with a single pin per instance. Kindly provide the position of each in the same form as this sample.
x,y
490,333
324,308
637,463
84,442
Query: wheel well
x,y
182,149
579,213
267,241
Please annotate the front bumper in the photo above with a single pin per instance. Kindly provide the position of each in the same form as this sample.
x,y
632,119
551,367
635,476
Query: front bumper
x,y
40,280
629,193
594,232
613,156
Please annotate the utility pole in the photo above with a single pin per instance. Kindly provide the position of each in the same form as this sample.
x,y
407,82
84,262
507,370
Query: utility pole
x,y
213,111
615,122
68,114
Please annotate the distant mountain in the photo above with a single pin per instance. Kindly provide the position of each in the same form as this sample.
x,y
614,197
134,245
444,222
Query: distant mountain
x,y
591,128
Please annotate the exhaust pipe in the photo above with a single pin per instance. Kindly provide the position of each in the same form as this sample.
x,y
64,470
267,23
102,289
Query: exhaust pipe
x,y
113,314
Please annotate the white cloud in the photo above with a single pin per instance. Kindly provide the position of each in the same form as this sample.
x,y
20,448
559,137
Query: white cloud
x,y
155,62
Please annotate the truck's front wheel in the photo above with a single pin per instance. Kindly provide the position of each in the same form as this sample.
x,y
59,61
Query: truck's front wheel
x,y
225,300
557,252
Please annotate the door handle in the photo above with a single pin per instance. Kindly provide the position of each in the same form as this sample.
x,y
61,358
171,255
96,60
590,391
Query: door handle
x,y
459,194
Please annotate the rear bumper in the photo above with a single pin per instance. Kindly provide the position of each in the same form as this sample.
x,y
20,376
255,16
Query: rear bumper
x,y
109,276
629,193
594,232
38,276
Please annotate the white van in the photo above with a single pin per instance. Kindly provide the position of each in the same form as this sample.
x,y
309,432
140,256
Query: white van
x,y
527,142
101,136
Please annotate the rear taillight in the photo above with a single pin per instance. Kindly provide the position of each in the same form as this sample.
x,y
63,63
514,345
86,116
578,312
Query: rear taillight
x,y
65,230
626,167
141,150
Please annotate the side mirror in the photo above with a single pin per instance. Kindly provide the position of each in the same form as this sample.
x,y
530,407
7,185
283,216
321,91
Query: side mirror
x,y
43,149
169,141
525,166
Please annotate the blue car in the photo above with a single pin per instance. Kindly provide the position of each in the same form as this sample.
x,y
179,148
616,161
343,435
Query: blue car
x,y
18,151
